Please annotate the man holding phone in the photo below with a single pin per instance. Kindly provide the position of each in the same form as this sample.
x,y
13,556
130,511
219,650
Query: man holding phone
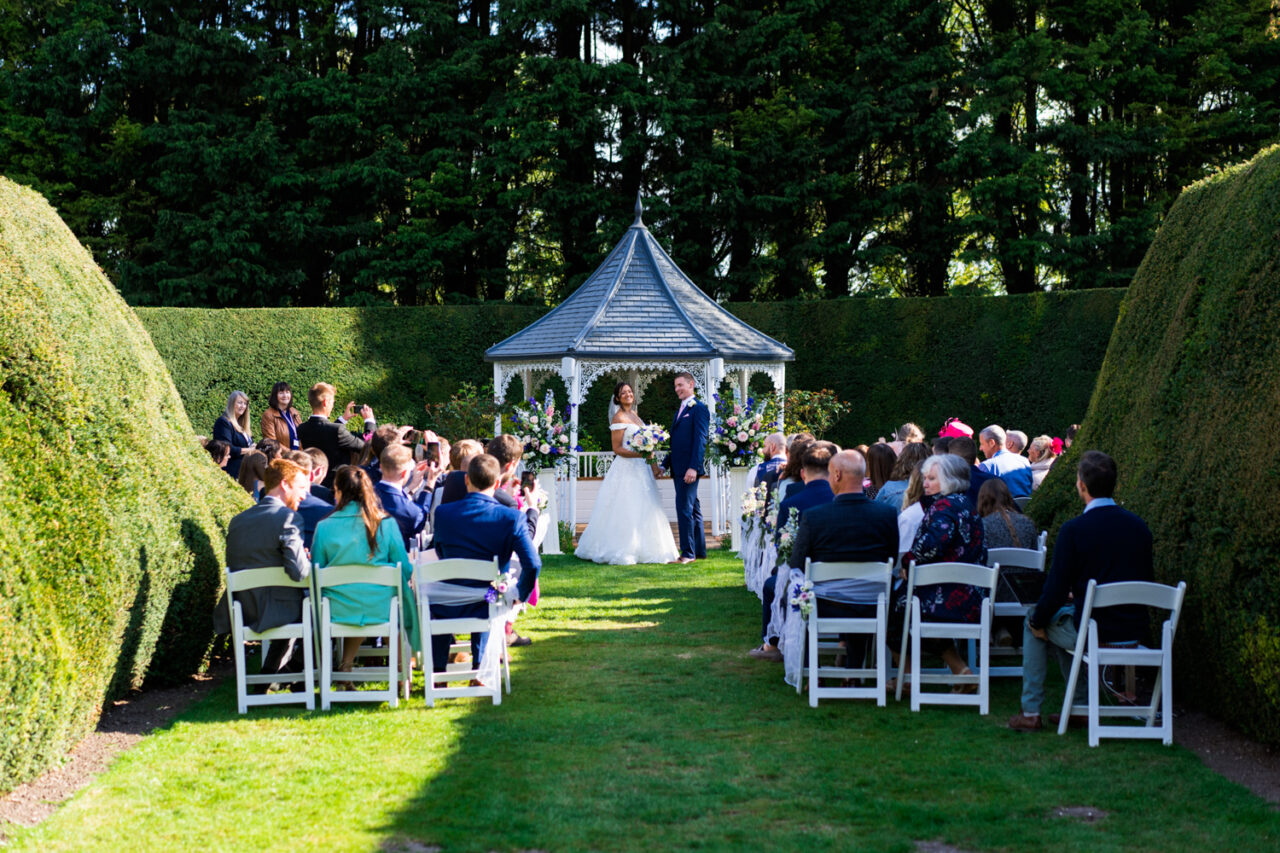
x,y
334,439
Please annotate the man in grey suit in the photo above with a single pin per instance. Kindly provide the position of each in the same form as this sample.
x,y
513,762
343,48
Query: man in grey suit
x,y
270,534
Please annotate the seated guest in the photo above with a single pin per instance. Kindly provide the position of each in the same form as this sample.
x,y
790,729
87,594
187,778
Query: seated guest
x,y
790,478
880,461
914,503
968,451
775,457
219,452
253,464
816,491
508,450
1070,435
232,426
319,471
908,433
941,445
1040,455
280,420
383,437
311,509
1015,470
1015,441
479,528
890,494
849,529
1003,524
955,428
266,535
337,442
455,482
358,532
950,532
1105,543
399,478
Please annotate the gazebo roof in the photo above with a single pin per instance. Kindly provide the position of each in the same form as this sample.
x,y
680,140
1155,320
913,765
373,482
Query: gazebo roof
x,y
639,305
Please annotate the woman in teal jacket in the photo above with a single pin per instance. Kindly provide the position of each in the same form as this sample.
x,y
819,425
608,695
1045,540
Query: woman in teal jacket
x,y
359,532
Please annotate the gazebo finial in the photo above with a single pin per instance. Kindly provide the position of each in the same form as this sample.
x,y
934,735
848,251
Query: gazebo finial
x,y
639,210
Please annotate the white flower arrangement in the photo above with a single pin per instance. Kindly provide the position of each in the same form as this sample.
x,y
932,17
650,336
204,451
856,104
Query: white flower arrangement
x,y
802,598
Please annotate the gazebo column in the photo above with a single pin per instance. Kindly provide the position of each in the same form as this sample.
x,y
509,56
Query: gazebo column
x,y
499,395
572,377
715,375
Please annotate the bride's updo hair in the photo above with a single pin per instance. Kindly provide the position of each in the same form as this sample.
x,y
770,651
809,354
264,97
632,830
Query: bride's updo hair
x,y
617,390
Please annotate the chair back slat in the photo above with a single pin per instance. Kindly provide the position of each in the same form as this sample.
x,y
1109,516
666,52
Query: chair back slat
x,y
1137,592
967,573
240,580
1016,558
818,572
330,576
458,569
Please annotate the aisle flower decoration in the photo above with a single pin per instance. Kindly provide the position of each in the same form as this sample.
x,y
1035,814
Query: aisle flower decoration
x,y
738,433
754,502
648,440
498,590
544,433
802,598
787,539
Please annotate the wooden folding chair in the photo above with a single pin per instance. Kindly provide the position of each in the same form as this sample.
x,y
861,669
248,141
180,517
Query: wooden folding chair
x,y
396,669
875,626
1092,654
917,631
491,672
244,580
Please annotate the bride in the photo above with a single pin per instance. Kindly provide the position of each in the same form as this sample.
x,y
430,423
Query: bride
x,y
627,524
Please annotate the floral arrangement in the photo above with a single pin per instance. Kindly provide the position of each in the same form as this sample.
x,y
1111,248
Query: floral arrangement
x,y
737,436
802,598
753,502
497,591
543,432
648,440
787,539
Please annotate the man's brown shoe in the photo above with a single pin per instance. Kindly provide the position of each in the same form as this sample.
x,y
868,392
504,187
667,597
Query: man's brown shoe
x,y
1022,723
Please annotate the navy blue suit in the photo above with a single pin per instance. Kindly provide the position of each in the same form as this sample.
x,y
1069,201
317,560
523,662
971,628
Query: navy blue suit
x,y
976,478
811,494
479,528
689,433
410,513
311,511
224,430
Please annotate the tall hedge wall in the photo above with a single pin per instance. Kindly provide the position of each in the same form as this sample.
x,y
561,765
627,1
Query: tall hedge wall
x,y
1028,361
1186,402
111,515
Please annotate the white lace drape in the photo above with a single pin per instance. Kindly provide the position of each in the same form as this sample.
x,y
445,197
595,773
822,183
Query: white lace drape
x,y
793,632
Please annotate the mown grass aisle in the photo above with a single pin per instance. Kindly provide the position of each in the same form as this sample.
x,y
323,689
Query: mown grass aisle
x,y
638,723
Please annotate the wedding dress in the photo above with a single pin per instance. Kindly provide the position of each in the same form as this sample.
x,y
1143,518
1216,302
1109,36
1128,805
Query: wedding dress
x,y
627,524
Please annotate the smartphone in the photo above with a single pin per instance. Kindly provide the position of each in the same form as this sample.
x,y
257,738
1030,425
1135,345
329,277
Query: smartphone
x,y
433,452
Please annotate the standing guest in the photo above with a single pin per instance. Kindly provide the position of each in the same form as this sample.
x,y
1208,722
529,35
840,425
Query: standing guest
x,y
219,451
880,461
311,510
895,487
479,528
1106,544
455,482
508,450
1015,441
1003,524
1040,455
1015,470
950,532
790,479
337,442
268,535
280,420
232,427
358,532
400,479
968,451
253,464
775,458
319,471
817,490
849,529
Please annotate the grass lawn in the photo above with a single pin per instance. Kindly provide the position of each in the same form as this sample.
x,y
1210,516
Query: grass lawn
x,y
638,723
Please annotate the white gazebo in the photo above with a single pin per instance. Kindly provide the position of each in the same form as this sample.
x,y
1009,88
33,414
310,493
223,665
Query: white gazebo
x,y
638,317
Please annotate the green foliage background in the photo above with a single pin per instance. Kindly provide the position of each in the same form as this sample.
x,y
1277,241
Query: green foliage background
x,y
111,515
1186,402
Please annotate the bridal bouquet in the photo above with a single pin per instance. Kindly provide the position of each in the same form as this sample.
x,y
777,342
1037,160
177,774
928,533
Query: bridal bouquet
x,y
738,433
543,432
648,440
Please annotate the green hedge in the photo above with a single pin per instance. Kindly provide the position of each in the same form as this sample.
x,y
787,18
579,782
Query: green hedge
x,y
111,515
1186,402
1025,361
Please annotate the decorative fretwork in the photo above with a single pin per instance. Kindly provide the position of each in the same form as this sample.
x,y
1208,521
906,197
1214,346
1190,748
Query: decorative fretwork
x,y
510,370
777,372
591,370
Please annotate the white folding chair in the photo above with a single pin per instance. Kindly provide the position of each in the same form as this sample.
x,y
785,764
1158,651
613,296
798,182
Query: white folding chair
x,y
387,576
876,626
918,630
1014,558
1089,652
490,673
243,580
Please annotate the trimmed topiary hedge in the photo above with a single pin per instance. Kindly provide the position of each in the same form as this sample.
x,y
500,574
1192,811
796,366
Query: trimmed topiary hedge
x,y
1028,361
111,515
1186,402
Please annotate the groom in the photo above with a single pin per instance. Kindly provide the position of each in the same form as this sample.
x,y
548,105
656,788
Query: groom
x,y
688,446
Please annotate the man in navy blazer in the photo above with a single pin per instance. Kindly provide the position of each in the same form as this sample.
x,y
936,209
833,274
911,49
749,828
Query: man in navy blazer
x,y
689,433
815,472
479,528
1104,543
398,470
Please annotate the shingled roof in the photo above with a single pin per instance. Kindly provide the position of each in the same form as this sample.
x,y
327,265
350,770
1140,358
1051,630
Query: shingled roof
x,y
639,305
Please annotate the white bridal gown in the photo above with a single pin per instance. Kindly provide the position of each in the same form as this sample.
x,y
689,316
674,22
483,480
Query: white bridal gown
x,y
627,524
